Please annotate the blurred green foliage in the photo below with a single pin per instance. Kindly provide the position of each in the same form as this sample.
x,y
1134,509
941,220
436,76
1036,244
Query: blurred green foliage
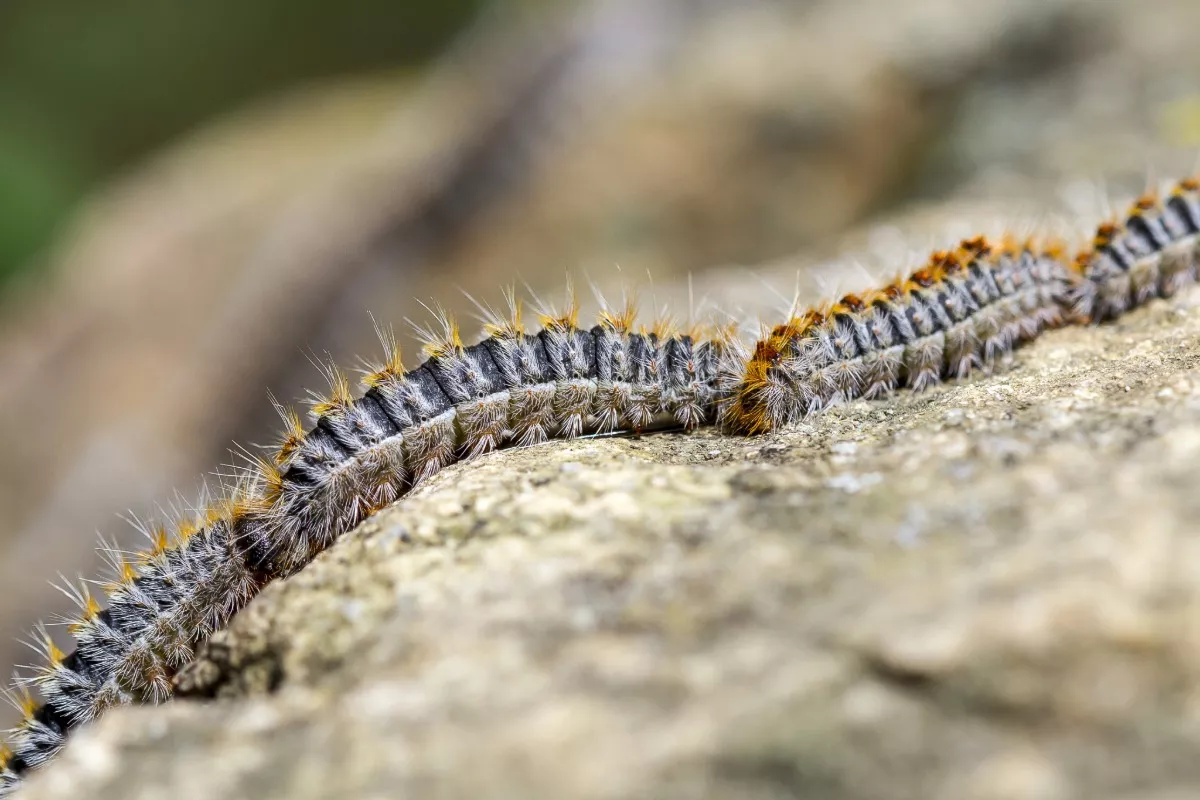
x,y
87,87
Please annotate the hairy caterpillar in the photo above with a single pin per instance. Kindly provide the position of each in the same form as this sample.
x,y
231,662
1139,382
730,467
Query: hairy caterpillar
x,y
359,455
956,314
1154,253
960,312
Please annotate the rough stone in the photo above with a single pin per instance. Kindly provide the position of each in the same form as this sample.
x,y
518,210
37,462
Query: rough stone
x,y
683,136
979,592
989,590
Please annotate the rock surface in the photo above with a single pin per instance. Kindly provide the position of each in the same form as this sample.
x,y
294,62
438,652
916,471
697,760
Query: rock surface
x,y
991,590
685,136
983,592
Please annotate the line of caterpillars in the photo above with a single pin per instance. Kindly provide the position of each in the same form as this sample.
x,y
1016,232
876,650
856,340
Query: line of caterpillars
x,y
959,313
962,311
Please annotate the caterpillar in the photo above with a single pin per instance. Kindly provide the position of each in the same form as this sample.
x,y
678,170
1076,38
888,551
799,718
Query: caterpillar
x,y
960,312
963,310
359,455
1155,253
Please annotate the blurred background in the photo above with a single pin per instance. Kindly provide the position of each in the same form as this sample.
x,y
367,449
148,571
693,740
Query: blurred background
x,y
196,198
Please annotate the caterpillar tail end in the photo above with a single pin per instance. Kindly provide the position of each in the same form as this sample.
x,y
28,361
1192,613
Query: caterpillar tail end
x,y
758,403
